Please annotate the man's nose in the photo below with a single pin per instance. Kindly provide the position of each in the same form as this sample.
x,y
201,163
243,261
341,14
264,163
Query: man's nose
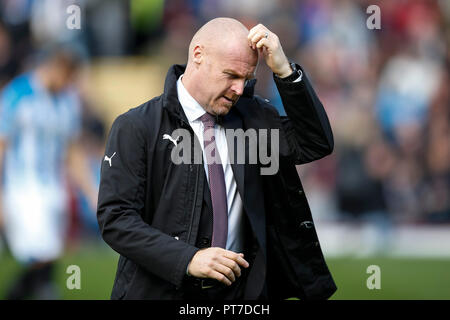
x,y
238,87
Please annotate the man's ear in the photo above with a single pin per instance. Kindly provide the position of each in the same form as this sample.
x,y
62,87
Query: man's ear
x,y
198,54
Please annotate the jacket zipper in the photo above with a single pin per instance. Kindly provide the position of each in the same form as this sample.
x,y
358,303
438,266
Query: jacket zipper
x,y
193,206
196,185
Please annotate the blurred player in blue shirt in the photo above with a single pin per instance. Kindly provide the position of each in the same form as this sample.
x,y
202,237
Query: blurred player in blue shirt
x,y
39,128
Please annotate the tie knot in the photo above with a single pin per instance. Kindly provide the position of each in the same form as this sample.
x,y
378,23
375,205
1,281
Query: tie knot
x,y
208,120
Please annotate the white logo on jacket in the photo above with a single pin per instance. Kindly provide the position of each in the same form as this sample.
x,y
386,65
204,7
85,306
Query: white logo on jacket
x,y
166,136
109,159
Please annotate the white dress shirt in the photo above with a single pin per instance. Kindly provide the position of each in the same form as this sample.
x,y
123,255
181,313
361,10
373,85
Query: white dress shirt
x,y
194,111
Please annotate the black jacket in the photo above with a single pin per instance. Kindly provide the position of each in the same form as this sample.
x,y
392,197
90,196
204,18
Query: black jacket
x,y
149,208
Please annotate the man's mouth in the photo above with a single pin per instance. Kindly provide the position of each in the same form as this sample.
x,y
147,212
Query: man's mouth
x,y
228,99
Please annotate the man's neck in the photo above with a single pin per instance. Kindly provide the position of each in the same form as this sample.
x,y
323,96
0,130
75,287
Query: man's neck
x,y
190,86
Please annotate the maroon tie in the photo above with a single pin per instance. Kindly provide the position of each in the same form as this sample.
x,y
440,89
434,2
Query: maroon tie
x,y
216,183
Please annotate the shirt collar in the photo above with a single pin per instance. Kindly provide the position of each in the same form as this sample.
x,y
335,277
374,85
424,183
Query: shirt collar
x,y
191,107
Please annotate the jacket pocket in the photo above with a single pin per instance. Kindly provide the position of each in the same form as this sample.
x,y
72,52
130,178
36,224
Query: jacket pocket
x,y
123,280
282,278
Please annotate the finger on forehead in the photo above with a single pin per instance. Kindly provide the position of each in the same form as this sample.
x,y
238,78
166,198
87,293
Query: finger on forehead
x,y
258,36
261,42
250,42
253,31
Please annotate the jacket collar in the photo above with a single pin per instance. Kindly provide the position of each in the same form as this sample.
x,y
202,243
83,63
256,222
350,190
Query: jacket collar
x,y
170,95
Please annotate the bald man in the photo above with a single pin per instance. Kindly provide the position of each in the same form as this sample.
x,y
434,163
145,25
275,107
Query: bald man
x,y
216,227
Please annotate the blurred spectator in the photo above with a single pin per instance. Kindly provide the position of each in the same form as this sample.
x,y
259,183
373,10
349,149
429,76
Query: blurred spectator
x,y
407,85
8,64
436,197
92,139
146,21
48,21
107,27
15,37
39,124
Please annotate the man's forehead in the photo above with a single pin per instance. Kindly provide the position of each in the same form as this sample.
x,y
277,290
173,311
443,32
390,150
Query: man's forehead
x,y
239,63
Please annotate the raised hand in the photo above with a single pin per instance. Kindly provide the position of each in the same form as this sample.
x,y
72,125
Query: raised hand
x,y
269,46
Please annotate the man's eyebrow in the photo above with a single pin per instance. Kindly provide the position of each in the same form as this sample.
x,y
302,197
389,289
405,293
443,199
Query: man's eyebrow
x,y
234,73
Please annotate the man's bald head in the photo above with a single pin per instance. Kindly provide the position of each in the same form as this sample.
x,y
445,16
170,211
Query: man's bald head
x,y
221,34
220,62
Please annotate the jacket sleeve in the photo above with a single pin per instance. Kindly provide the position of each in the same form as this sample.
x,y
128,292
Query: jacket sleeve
x,y
306,127
121,203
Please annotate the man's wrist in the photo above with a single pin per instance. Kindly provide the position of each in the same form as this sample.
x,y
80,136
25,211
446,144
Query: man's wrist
x,y
285,71
296,74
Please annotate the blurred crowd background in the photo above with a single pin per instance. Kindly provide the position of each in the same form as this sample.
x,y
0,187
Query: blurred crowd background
x,y
386,91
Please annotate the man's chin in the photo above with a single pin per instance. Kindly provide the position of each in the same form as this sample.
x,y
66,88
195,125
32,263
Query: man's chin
x,y
222,109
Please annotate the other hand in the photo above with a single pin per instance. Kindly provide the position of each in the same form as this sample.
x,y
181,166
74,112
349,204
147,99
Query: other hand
x,y
217,263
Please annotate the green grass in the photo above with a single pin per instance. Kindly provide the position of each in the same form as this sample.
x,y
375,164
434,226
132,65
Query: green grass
x,y
401,278
97,267
404,278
